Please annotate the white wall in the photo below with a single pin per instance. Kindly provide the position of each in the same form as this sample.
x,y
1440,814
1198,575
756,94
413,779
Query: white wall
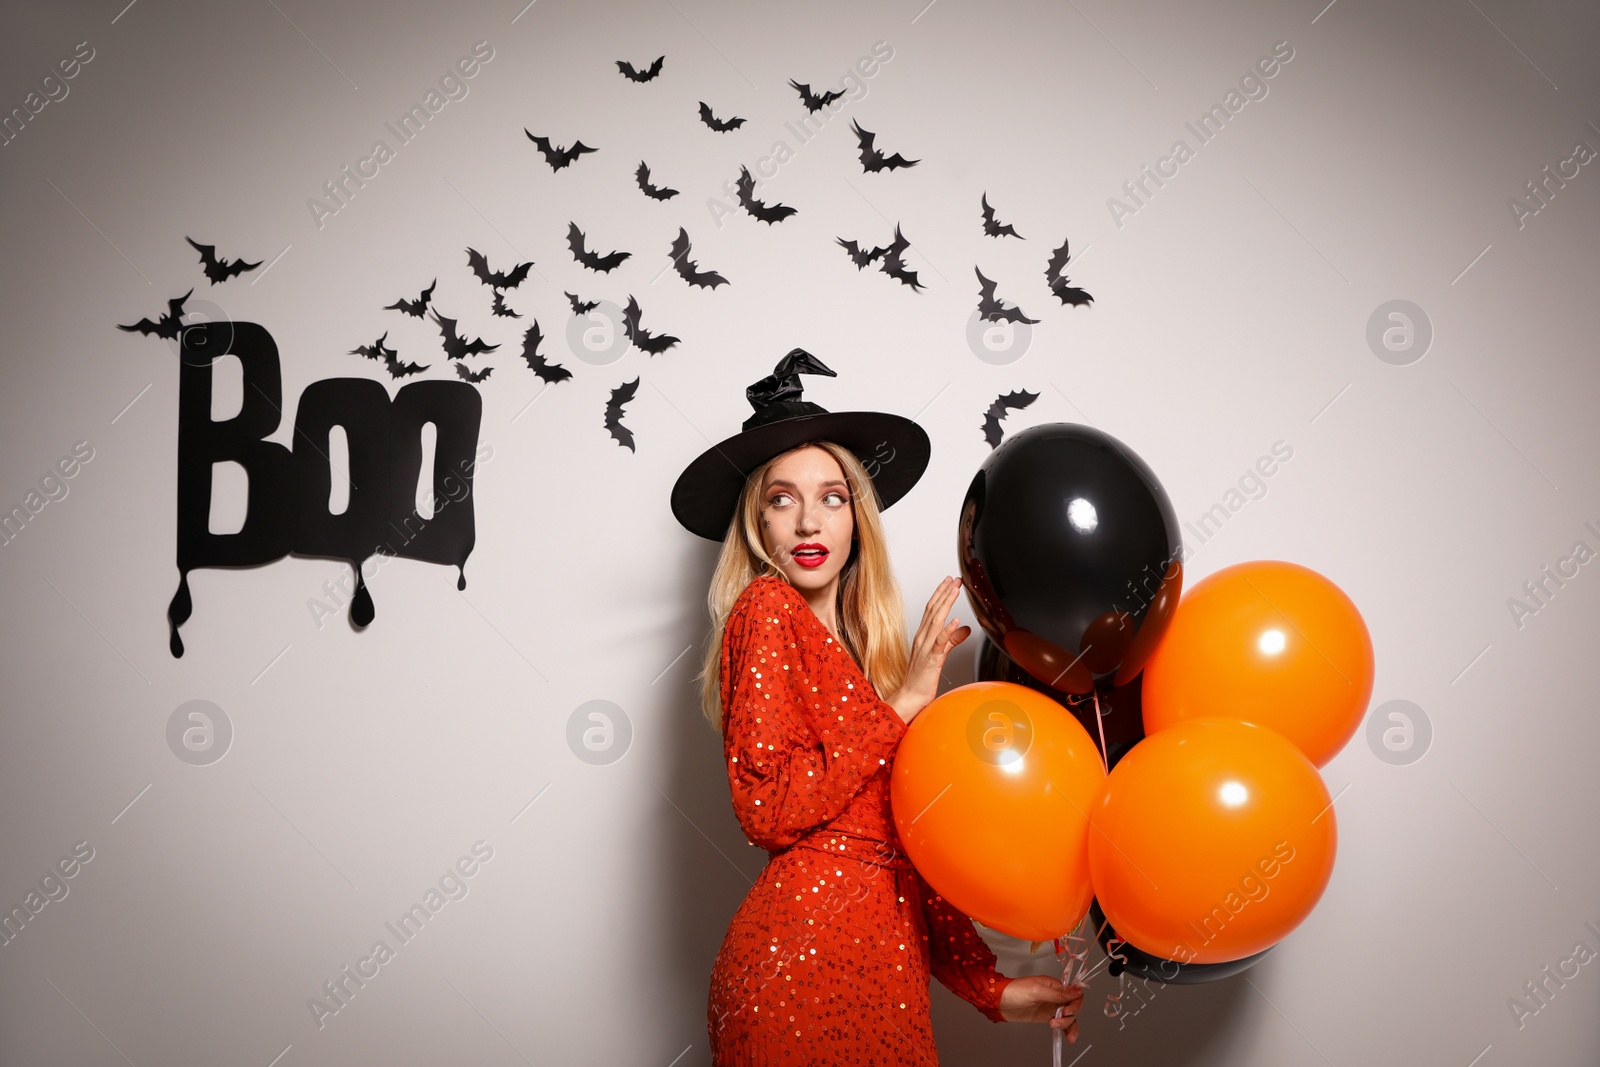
x,y
1230,310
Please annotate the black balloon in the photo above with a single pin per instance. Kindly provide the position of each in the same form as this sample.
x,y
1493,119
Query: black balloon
x,y
1124,958
1071,555
1121,711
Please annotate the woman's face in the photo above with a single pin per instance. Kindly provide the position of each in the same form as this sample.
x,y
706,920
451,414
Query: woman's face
x,y
807,517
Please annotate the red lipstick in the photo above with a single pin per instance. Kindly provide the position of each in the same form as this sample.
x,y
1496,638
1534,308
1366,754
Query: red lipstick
x,y
809,554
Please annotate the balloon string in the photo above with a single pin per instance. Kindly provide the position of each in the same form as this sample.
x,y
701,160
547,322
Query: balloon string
x,y
1077,960
1101,726
1076,953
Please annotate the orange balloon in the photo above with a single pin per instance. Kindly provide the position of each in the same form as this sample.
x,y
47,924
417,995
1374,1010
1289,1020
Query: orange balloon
x,y
1269,642
1212,840
991,792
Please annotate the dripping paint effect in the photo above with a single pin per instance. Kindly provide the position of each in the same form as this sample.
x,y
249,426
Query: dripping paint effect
x,y
461,578
361,607
178,613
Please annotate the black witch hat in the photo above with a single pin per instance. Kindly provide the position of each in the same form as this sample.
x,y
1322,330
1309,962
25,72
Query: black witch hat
x,y
894,449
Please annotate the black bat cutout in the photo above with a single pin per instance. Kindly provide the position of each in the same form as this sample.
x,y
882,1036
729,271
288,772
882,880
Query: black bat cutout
x,y
558,157
649,342
1066,292
592,260
874,160
720,125
579,307
813,102
1004,403
687,268
456,346
416,307
857,256
620,396
996,229
768,213
634,74
169,326
548,372
654,192
376,350
398,369
219,270
496,279
469,376
499,306
993,308
390,358
895,266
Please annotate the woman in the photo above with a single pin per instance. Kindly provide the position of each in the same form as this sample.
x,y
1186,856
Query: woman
x,y
827,959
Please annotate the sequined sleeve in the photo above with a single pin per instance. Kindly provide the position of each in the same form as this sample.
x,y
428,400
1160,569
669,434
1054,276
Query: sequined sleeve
x,y
959,957
800,739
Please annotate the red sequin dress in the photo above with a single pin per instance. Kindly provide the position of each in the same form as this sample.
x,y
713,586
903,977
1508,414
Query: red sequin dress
x,y
827,960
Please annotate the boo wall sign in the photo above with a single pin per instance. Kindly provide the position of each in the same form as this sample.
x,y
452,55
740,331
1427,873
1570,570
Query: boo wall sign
x,y
287,508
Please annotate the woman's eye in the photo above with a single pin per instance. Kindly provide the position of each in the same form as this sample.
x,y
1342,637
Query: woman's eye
x,y
832,498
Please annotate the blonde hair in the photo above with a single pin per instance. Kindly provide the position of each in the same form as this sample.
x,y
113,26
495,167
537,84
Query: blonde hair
x,y
871,619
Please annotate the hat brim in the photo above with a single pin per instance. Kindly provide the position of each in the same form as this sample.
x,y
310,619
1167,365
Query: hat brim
x,y
894,449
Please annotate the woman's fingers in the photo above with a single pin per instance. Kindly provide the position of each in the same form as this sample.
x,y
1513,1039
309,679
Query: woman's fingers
x,y
933,616
938,633
922,627
930,614
940,603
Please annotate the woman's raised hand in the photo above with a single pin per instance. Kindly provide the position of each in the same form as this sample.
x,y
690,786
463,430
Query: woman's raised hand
x,y
934,639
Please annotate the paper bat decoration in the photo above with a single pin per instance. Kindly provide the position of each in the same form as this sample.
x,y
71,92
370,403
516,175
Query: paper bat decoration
x,y
496,279
874,160
498,307
548,372
686,267
468,376
813,102
654,192
720,125
646,341
390,358
996,229
220,270
620,396
169,326
398,369
558,157
892,264
456,346
768,213
1068,294
857,256
376,350
592,260
633,74
580,307
416,307
1004,403
995,309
